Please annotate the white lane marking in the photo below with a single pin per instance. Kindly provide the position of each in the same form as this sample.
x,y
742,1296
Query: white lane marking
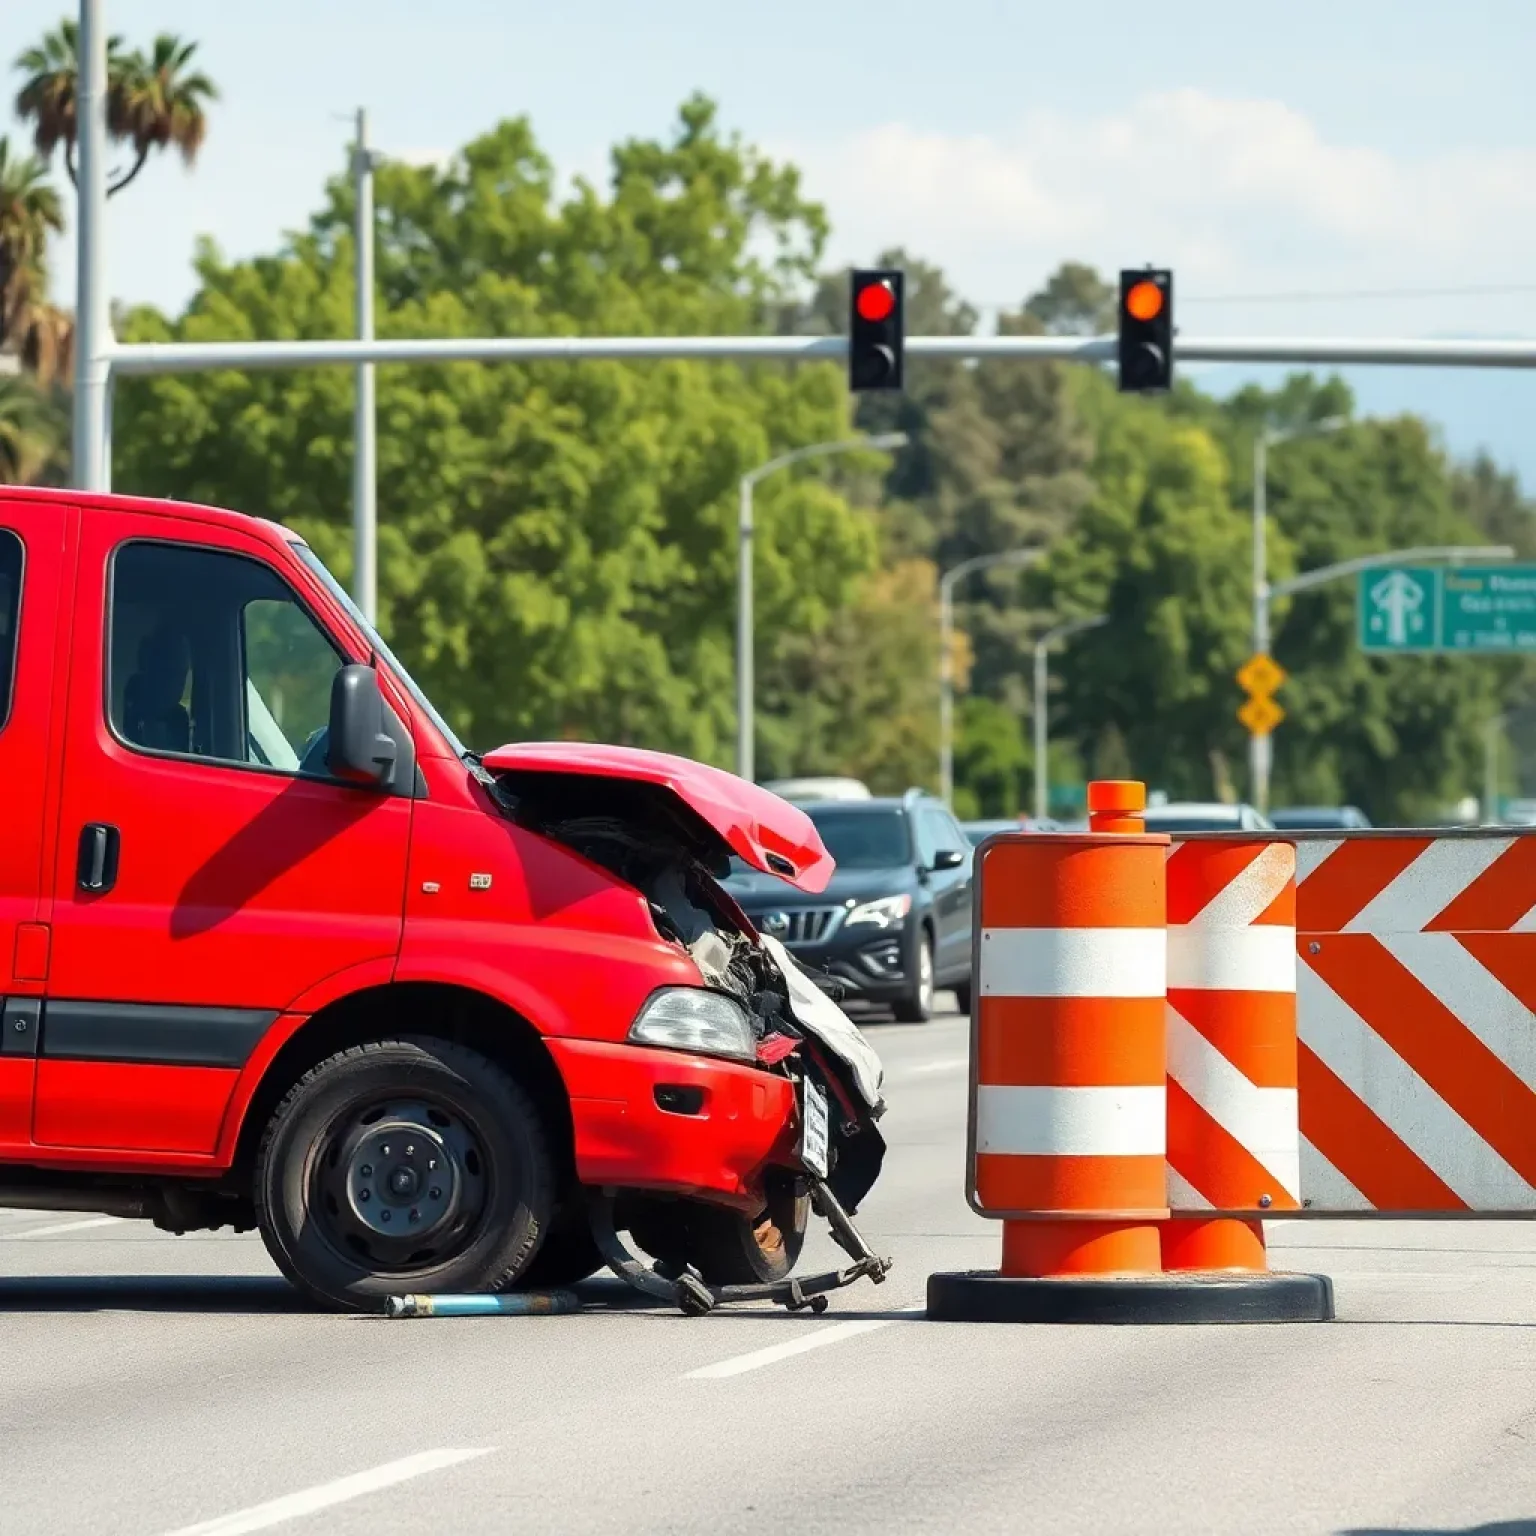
x,y
832,1333
66,1226
943,1064
261,1517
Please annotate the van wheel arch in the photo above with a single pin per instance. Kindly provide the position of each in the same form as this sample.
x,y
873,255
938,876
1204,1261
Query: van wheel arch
x,y
457,1014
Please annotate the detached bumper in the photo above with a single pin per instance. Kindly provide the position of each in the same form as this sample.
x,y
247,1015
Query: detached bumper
x,y
668,1121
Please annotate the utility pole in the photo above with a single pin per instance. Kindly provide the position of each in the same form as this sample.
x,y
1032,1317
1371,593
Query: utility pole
x,y
93,364
365,574
1042,703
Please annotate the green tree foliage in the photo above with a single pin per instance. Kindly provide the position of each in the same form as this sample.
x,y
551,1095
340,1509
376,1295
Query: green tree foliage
x,y
557,542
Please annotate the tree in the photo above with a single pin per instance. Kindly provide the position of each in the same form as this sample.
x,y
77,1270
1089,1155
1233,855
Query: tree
x,y
29,213
557,546
1161,550
31,431
154,102
1075,301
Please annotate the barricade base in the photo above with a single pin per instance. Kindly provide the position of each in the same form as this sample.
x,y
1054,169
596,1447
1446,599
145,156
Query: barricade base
x,y
985,1296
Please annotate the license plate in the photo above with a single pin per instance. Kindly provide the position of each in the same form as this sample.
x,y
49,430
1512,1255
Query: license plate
x,y
813,1136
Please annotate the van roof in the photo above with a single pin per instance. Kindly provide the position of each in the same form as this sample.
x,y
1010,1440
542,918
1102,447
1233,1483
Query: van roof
x,y
156,506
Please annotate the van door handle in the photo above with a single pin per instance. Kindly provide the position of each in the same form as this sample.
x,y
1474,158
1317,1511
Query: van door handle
x,y
96,863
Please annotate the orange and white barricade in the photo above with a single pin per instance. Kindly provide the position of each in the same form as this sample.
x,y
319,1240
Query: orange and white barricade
x,y
1069,1115
1233,1141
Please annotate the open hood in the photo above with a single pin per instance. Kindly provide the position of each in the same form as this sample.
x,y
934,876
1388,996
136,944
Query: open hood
x,y
770,834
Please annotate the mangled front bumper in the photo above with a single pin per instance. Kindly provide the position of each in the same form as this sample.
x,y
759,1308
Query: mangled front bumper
x,y
668,1121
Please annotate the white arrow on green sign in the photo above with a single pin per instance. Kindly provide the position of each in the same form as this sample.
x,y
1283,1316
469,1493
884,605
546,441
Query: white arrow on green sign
x,y
1454,609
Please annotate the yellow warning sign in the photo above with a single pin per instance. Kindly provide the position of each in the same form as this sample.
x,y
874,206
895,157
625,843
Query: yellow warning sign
x,y
1261,715
1260,675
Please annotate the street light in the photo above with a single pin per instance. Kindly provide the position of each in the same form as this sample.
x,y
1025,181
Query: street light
x,y
745,720
1259,755
1042,686
946,654
365,519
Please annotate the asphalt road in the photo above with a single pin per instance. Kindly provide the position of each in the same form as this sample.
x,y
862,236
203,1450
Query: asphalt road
x,y
192,1393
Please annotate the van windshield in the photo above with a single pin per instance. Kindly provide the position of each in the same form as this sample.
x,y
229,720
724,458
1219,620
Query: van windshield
x,y
340,593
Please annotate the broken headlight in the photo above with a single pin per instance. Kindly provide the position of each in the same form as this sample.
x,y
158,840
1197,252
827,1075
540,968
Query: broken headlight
x,y
694,1019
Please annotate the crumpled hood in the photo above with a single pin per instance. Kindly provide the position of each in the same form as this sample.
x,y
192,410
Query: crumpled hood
x,y
769,833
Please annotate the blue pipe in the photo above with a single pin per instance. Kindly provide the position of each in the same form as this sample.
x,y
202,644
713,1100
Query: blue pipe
x,y
518,1304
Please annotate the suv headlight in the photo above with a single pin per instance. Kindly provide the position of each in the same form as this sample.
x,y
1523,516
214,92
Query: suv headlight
x,y
885,913
695,1019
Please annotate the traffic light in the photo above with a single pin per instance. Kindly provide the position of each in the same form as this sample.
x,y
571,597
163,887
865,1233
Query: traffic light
x,y
1146,331
876,330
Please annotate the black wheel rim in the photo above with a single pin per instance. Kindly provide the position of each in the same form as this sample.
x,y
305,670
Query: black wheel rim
x,y
400,1185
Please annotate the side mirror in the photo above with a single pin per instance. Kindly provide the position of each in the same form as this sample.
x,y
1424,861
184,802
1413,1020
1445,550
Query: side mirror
x,y
948,858
359,749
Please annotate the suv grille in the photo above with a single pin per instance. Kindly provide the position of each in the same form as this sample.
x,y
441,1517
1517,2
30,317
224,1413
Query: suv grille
x,y
799,925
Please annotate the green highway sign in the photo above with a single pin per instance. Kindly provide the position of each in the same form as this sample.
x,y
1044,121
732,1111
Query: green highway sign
x,y
1448,609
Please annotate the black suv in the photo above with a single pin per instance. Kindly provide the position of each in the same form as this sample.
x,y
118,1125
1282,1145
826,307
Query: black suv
x,y
894,924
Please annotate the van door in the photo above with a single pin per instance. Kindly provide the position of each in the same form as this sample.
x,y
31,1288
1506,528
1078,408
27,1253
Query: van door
x,y
36,539
208,871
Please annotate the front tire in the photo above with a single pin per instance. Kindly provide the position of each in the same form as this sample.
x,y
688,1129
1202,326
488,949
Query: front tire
x,y
917,1006
403,1165
726,1247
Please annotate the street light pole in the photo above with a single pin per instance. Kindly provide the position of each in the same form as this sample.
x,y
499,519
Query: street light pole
x,y
1042,702
1260,753
365,574
746,723
946,654
93,363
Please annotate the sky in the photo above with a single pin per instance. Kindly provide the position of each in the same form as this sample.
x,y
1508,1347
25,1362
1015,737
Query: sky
x,y
1354,167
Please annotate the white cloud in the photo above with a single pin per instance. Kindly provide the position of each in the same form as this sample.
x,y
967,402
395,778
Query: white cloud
x,y
1239,196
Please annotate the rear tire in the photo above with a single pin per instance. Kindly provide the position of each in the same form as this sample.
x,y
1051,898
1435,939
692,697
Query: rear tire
x,y
917,1006
410,1165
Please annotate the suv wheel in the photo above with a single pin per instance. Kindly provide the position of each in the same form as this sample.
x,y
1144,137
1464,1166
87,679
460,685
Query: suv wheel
x,y
917,1006
403,1165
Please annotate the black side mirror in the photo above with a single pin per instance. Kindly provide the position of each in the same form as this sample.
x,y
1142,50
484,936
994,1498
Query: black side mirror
x,y
948,858
359,749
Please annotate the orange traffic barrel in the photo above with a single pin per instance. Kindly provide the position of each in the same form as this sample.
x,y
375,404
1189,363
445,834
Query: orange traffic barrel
x,y
1067,1142
1234,1144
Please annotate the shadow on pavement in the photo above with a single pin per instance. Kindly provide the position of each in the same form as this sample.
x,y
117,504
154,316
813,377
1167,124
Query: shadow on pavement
x,y
1496,1528
253,1294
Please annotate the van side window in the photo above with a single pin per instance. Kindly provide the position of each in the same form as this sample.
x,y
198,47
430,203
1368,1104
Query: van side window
x,y
10,617
213,656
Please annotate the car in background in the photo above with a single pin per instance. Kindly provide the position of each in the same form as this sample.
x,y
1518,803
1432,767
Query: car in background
x,y
979,831
804,791
893,925
1205,816
1319,818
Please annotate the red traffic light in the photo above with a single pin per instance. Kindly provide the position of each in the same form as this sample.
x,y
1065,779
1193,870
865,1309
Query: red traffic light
x,y
875,302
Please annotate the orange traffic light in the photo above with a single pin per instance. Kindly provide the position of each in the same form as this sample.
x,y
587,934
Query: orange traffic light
x,y
1144,301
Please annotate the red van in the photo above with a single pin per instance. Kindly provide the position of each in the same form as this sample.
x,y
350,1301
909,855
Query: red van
x,y
278,951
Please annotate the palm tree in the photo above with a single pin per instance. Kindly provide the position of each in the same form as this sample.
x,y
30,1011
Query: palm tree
x,y
31,431
164,103
152,103
29,212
